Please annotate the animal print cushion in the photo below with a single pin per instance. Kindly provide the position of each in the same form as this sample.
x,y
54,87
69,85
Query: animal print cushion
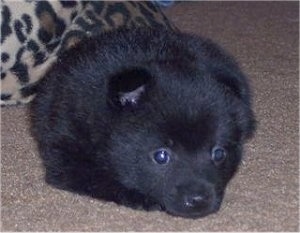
x,y
34,33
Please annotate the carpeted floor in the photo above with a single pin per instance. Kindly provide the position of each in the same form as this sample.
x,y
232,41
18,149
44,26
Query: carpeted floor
x,y
264,196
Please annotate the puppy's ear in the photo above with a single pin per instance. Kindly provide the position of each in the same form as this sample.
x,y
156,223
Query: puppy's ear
x,y
131,98
128,89
246,121
236,83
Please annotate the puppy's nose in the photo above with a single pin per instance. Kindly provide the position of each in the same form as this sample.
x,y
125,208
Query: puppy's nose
x,y
194,201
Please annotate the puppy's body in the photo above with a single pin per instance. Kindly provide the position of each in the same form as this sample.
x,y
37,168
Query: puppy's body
x,y
145,118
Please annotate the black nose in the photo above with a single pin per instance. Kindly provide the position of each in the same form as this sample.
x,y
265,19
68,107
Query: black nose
x,y
194,201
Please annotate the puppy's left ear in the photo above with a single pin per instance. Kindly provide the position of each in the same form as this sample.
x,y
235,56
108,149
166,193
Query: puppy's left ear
x,y
246,120
235,82
128,89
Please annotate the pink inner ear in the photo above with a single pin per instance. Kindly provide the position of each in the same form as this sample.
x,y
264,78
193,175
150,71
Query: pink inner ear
x,y
132,97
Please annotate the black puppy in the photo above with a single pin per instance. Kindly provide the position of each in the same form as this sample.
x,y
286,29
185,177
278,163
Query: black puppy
x,y
145,118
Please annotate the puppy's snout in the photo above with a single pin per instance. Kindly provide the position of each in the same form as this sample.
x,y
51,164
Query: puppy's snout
x,y
192,199
196,200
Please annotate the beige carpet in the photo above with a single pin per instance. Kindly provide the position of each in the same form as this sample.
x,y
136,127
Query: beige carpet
x,y
264,196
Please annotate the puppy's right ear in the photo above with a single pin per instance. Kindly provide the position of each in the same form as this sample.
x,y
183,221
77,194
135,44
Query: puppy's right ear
x,y
128,89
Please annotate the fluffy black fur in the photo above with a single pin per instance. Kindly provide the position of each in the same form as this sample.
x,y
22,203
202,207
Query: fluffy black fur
x,y
110,104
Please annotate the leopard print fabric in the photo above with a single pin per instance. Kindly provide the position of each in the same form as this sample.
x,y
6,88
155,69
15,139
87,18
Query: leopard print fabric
x,y
34,33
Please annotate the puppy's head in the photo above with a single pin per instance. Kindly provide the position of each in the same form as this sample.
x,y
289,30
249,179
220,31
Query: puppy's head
x,y
178,132
179,111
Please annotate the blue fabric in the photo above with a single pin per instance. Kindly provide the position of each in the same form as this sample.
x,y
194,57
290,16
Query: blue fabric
x,y
164,3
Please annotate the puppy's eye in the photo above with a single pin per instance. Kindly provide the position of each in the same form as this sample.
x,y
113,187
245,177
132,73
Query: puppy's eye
x,y
162,156
218,154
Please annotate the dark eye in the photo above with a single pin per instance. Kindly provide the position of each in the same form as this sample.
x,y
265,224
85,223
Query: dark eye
x,y
161,156
218,154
